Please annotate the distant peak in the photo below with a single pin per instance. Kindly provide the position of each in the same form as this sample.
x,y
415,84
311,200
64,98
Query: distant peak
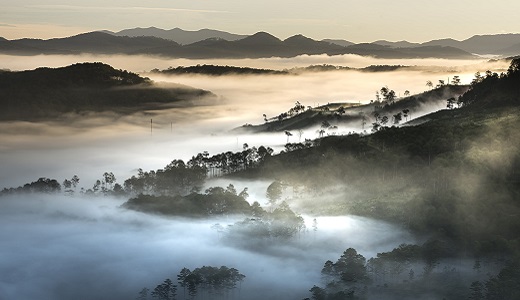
x,y
261,37
297,37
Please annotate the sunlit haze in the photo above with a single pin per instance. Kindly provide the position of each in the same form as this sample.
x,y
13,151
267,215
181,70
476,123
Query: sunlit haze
x,y
365,21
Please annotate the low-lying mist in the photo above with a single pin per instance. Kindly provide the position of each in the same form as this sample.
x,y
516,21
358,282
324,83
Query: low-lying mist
x,y
140,63
90,144
65,247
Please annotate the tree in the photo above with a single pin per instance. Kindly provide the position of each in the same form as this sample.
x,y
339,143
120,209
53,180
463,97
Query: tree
x,y
429,84
455,80
406,93
108,179
325,124
96,186
231,189
74,180
397,118
244,194
478,79
388,95
67,184
450,103
351,267
288,134
328,271
143,294
384,120
165,291
514,67
183,275
405,113
318,293
256,210
274,192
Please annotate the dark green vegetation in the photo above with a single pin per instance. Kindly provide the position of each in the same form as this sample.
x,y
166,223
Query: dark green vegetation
x,y
216,201
47,93
206,281
431,271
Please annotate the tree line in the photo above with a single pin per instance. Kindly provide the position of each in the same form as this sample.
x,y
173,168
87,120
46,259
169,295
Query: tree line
x,y
205,282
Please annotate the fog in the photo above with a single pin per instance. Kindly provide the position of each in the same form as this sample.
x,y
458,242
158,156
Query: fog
x,y
59,247
141,63
89,145
62,247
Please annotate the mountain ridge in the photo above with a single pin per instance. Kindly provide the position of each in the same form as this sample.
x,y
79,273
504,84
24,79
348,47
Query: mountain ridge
x,y
258,45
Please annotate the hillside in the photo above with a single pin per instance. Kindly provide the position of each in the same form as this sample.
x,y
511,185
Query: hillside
x,y
355,115
454,177
47,93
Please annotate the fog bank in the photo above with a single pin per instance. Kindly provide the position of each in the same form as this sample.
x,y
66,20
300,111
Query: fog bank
x,y
60,247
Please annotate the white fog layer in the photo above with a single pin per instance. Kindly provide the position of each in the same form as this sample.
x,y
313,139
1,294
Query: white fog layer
x,y
90,247
90,146
60,247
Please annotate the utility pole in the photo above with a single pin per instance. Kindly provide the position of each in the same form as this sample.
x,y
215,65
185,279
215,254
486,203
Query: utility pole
x,y
151,126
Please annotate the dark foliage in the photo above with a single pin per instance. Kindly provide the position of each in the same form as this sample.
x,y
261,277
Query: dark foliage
x,y
214,202
219,70
48,93
42,185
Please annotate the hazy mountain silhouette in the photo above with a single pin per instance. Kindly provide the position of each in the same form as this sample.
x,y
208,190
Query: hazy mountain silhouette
x,y
399,44
178,35
500,44
258,45
92,42
512,50
481,44
338,42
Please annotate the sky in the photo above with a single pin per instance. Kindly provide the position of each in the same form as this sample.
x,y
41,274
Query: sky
x,y
356,21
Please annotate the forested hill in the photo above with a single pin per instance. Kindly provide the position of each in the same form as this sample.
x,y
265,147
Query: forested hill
x,y
48,92
337,116
455,177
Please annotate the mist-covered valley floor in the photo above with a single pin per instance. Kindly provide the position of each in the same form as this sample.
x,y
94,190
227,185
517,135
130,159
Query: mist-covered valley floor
x,y
60,247
379,194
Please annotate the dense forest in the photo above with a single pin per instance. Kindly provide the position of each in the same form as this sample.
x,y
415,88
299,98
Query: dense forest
x,y
452,178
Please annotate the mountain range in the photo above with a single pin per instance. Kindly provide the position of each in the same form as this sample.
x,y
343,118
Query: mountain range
x,y
498,44
183,37
207,43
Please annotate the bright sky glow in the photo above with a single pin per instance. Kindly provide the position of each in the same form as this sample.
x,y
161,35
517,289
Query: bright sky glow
x,y
357,21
